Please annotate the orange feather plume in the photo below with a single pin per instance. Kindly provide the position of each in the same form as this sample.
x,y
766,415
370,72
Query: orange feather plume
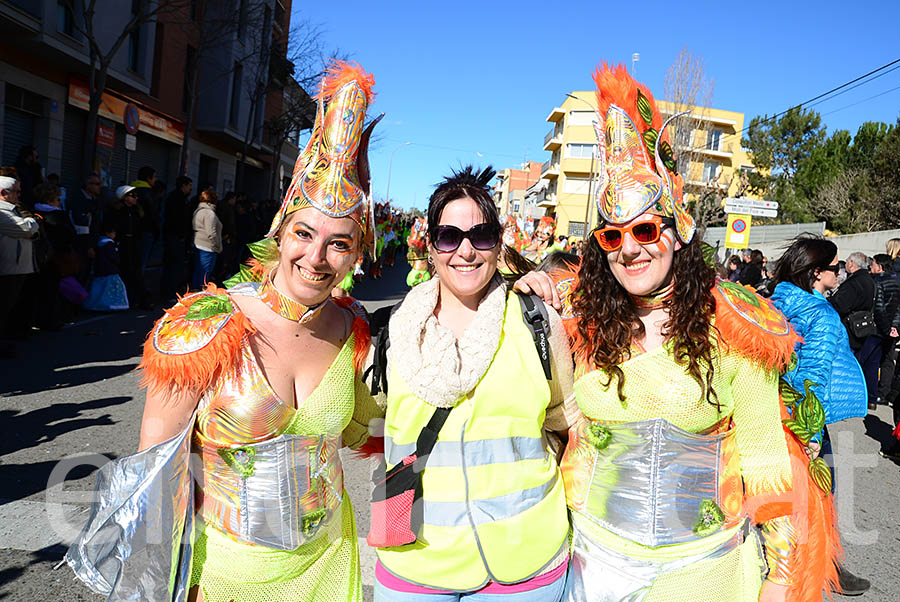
x,y
616,86
338,73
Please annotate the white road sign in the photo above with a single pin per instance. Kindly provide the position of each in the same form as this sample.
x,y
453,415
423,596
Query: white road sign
x,y
748,210
745,202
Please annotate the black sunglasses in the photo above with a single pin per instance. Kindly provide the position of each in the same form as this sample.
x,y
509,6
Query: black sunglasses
x,y
446,239
836,269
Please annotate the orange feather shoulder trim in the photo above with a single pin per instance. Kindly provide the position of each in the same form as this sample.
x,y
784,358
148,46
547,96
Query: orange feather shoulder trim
x,y
360,329
191,344
751,326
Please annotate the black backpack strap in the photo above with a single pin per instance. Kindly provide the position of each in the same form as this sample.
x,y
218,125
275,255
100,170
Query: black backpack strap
x,y
429,436
533,311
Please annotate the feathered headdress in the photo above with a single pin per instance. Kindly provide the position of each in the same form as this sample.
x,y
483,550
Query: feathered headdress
x,y
637,163
547,223
332,172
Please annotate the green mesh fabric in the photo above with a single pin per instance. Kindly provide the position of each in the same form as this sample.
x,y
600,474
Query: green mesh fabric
x,y
324,570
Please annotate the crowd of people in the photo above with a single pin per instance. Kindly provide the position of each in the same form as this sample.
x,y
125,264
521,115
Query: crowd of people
x,y
618,423
91,249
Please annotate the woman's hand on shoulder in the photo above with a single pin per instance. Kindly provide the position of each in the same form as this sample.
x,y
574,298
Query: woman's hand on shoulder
x,y
540,284
773,592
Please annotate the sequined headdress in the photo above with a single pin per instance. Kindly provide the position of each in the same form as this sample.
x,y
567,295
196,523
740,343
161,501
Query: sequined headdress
x,y
637,163
332,172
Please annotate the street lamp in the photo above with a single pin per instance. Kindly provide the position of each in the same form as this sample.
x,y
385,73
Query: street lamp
x,y
587,208
387,194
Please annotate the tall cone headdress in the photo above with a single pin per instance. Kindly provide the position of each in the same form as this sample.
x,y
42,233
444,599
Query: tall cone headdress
x,y
332,172
637,163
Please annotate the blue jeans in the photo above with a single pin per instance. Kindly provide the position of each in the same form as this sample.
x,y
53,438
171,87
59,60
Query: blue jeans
x,y
204,263
552,592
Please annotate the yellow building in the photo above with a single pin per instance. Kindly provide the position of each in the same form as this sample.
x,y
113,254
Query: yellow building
x,y
714,148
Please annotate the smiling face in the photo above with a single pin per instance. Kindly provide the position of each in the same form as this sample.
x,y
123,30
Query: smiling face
x,y
315,253
644,269
465,272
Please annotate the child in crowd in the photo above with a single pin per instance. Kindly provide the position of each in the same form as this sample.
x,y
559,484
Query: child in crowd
x,y
107,289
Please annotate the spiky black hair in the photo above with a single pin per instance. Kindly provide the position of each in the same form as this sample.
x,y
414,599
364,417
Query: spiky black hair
x,y
468,176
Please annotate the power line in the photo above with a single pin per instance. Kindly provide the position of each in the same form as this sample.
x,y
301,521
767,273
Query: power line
x,y
821,98
863,100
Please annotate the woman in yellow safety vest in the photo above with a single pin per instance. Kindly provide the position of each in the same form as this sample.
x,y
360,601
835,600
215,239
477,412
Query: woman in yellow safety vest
x,y
493,522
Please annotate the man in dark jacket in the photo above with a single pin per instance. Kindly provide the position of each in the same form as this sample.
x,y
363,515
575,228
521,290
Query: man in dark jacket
x,y
143,187
177,234
887,319
127,216
857,294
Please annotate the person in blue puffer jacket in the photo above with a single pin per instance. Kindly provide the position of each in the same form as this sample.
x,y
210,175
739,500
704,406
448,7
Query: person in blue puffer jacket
x,y
805,272
808,269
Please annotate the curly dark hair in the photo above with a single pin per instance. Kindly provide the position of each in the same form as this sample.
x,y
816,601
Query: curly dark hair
x,y
609,320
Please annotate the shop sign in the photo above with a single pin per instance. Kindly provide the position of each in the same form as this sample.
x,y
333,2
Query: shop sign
x,y
106,136
113,107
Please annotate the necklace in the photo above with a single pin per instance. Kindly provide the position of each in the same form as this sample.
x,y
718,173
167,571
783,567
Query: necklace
x,y
655,300
283,305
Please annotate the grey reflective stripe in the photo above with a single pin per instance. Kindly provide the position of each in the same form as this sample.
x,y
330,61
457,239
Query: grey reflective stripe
x,y
478,453
502,507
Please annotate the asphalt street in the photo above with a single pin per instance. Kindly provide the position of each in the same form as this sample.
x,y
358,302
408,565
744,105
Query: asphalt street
x,y
71,401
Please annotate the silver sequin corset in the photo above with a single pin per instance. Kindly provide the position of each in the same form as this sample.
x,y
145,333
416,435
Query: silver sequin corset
x,y
278,493
652,482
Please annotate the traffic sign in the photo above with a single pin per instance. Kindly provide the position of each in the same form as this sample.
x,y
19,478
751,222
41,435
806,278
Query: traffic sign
x,y
747,210
737,234
131,118
755,203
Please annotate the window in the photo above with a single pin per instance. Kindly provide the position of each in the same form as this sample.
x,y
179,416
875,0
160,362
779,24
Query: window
x,y
710,171
134,41
515,206
235,110
242,19
713,139
579,150
576,185
582,117
189,70
576,229
64,20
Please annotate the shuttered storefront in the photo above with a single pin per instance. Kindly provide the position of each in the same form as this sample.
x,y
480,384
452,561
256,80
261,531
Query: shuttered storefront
x,y
18,131
72,147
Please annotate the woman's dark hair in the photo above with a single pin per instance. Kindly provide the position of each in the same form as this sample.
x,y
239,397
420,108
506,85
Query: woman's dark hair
x,y
756,257
735,260
609,319
802,258
469,183
464,183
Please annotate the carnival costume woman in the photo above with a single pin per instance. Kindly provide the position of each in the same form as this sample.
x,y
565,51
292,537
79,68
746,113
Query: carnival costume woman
x,y
683,447
275,522
544,242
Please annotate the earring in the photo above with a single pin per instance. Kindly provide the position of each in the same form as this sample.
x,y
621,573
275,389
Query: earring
x,y
430,260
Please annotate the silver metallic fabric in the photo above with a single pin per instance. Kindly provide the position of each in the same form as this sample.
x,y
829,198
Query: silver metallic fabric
x,y
295,485
653,482
136,544
600,574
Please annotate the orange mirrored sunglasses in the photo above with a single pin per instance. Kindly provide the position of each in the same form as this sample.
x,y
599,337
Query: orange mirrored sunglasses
x,y
611,238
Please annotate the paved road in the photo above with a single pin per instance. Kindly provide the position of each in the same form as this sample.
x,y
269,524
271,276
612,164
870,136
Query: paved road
x,y
75,393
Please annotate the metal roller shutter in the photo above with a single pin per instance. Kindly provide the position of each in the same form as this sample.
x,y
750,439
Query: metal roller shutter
x,y
154,152
72,148
18,131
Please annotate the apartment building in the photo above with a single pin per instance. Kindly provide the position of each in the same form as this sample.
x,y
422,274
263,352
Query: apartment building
x,y
44,68
511,185
714,148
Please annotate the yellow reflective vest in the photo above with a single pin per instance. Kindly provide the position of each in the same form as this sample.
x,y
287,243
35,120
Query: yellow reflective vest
x,y
494,506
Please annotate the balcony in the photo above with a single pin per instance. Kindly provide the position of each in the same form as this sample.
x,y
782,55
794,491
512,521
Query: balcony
x,y
720,151
546,199
553,140
556,114
549,171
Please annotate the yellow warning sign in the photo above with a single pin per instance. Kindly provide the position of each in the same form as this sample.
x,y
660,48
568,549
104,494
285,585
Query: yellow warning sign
x,y
737,234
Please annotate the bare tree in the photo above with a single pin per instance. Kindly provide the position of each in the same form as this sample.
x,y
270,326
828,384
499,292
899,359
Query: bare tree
x,y
848,204
688,88
103,46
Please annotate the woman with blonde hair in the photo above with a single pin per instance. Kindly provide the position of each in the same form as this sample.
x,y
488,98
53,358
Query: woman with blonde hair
x,y
252,391
893,249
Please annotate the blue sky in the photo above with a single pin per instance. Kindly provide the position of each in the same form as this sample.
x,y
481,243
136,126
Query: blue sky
x,y
472,82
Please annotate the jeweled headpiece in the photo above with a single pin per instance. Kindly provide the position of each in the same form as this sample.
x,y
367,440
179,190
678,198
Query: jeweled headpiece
x,y
637,164
332,172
